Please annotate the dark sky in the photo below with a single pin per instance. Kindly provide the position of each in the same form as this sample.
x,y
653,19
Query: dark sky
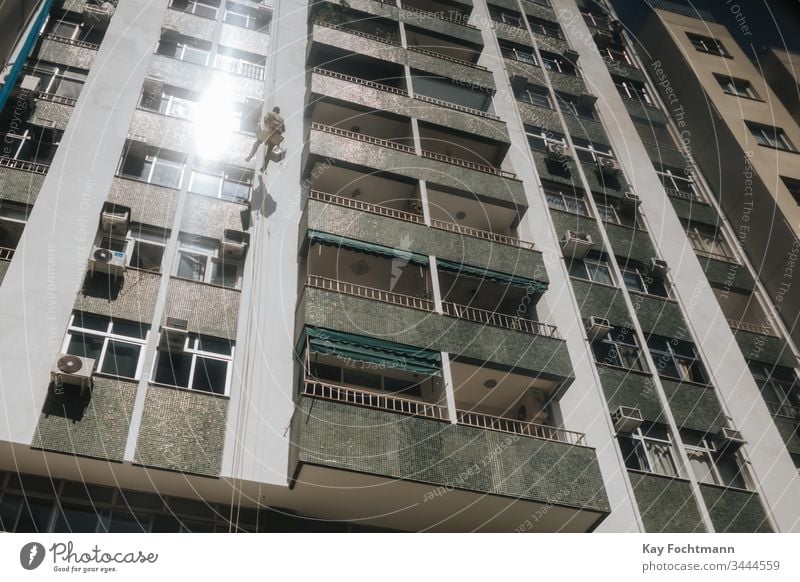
x,y
770,22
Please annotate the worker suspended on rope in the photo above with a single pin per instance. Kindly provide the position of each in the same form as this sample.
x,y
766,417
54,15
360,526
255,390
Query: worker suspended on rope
x,y
270,134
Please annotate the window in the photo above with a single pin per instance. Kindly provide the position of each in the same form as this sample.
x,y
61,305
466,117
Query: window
x,y
707,44
160,167
546,27
558,63
779,387
617,54
649,449
204,8
538,137
677,359
738,87
793,186
226,182
571,105
612,212
503,17
116,346
678,183
619,348
59,80
37,145
204,364
517,52
637,277
13,217
240,63
707,240
596,20
245,16
633,90
560,198
187,49
535,95
197,261
172,101
143,246
358,375
64,27
594,267
710,465
589,151
769,136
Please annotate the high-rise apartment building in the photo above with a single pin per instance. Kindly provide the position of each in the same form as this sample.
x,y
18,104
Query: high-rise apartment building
x,y
481,286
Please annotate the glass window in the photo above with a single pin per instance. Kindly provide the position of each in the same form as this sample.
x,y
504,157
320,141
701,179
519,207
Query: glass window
x,y
638,278
197,261
677,359
159,167
546,27
571,105
559,198
709,241
634,90
538,137
707,44
187,49
557,63
793,186
593,267
678,183
116,346
246,17
738,87
535,95
649,449
619,348
710,465
589,151
769,136
517,52
226,182
195,368
779,387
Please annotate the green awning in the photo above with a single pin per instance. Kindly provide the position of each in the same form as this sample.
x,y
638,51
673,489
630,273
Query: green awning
x,y
374,351
517,281
366,247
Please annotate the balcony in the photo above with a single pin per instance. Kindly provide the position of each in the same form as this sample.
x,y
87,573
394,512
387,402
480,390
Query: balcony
x,y
454,13
744,312
443,47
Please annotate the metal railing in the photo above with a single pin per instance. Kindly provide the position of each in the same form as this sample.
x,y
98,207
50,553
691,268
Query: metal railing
x,y
355,290
456,106
23,165
365,206
57,99
361,137
6,254
785,410
449,16
751,327
467,164
239,67
511,322
716,256
693,196
358,397
482,234
71,41
522,428
447,58
360,81
348,30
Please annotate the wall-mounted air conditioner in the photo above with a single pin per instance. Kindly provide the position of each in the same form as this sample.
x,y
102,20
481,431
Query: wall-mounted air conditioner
x,y
114,220
602,39
98,16
587,100
557,151
174,334
571,55
729,440
234,244
597,327
626,419
170,33
658,267
107,261
576,244
608,166
71,370
631,199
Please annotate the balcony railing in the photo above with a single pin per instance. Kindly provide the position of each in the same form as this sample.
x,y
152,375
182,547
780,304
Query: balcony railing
x,y
71,41
6,254
240,67
369,293
388,402
57,99
482,234
522,428
499,320
360,81
784,410
457,107
23,165
693,196
447,58
715,256
750,327
365,206
408,149
449,16
383,39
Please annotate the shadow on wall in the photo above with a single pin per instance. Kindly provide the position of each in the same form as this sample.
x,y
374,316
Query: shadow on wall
x,y
69,403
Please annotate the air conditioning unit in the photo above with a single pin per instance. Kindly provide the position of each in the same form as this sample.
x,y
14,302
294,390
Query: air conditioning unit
x,y
71,370
571,55
729,440
115,219
608,166
28,90
557,151
576,244
597,327
43,122
602,39
658,267
626,419
170,33
98,17
137,146
631,199
234,244
587,100
174,334
107,261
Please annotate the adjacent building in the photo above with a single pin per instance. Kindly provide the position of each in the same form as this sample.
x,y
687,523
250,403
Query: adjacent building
x,y
479,288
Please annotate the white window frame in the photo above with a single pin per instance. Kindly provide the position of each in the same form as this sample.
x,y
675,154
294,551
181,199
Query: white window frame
x,y
708,449
196,353
154,160
552,194
706,242
192,8
57,73
617,55
769,136
635,92
223,175
702,44
208,248
532,91
108,337
546,136
645,279
641,442
593,150
250,18
132,238
557,63
731,86
667,175
180,52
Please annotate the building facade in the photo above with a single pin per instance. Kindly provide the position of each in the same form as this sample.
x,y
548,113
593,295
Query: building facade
x,y
474,291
